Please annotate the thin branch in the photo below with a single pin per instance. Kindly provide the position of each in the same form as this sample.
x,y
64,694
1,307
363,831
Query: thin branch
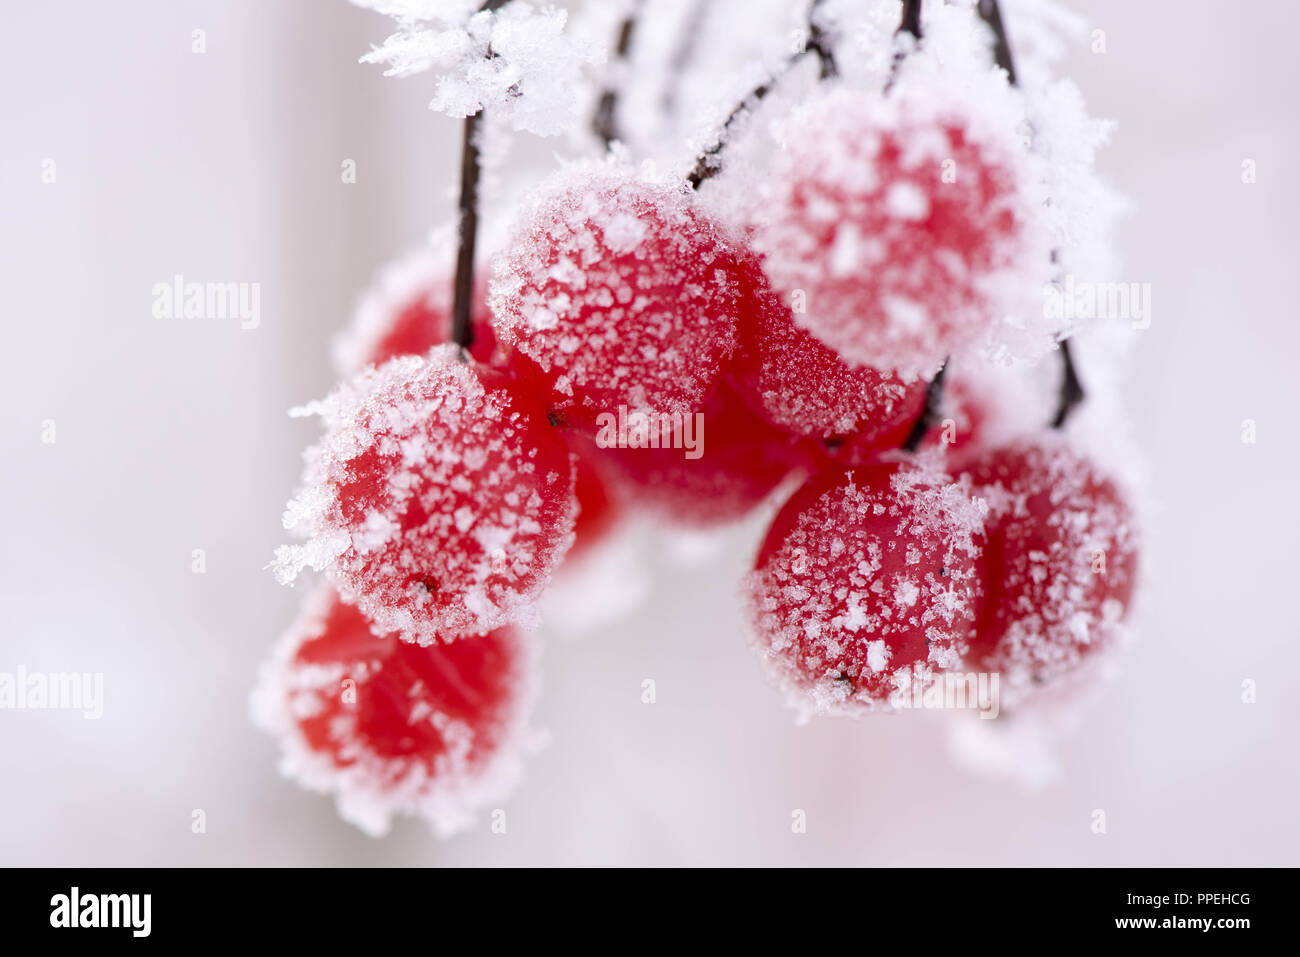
x,y
462,330
706,166
909,23
819,42
992,15
605,120
1071,393
929,411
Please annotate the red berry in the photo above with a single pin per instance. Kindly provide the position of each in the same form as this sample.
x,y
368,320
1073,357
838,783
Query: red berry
x,y
1060,562
407,312
439,500
794,381
741,460
898,224
865,584
617,293
389,726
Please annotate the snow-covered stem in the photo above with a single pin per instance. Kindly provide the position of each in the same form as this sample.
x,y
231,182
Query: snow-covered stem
x,y
462,330
929,411
820,43
910,23
992,15
1072,392
605,120
706,166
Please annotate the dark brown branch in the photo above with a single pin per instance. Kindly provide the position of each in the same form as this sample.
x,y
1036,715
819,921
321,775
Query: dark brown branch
x,y
819,42
909,23
1072,393
462,330
929,411
605,120
992,15
706,165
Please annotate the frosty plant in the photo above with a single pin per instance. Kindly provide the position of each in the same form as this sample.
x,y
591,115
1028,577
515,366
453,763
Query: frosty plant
x,y
835,272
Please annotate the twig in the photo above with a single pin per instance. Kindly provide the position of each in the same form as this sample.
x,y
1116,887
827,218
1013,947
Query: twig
x,y
705,167
992,15
462,330
820,43
929,411
909,23
605,120
1071,393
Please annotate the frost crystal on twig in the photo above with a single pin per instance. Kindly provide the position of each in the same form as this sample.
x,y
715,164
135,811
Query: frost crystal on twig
x,y
510,57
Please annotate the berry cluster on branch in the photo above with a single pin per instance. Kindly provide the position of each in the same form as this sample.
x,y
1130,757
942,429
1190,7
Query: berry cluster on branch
x,y
826,348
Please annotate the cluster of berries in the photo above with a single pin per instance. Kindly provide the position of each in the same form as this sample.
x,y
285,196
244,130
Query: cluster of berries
x,y
453,479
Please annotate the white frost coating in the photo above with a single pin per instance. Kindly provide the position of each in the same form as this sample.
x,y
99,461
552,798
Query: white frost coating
x,y
872,587
407,447
620,291
374,788
875,295
517,61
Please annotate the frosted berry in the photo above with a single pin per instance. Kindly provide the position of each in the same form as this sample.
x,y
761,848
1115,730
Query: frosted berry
x,y
1060,562
866,583
407,311
391,727
897,224
740,462
439,500
794,381
617,293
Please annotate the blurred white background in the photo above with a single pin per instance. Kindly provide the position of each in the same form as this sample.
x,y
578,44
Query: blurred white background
x,y
172,436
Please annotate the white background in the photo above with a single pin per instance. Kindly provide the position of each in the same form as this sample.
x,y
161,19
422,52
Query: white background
x,y
172,436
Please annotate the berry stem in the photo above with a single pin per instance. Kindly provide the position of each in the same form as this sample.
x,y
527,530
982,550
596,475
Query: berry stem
x,y
991,14
462,330
929,411
909,23
1072,392
817,43
604,122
